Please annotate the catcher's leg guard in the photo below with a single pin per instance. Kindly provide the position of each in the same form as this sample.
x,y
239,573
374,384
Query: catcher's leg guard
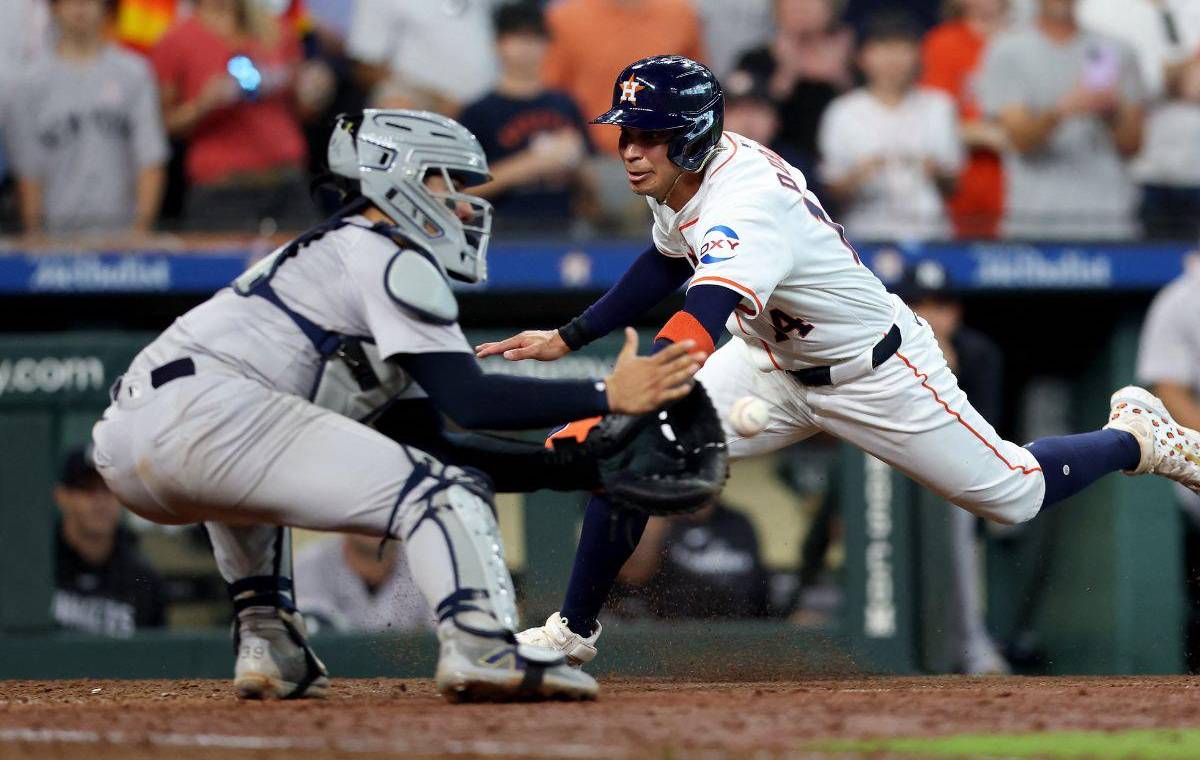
x,y
274,659
454,550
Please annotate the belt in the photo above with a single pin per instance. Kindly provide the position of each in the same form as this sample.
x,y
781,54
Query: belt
x,y
882,351
160,376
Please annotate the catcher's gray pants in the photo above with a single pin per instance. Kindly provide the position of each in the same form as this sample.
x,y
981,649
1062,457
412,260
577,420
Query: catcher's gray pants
x,y
220,448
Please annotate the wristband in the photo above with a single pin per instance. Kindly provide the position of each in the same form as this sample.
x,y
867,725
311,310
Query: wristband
x,y
575,334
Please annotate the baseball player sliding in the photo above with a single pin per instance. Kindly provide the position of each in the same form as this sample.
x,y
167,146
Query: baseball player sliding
x,y
818,338
212,420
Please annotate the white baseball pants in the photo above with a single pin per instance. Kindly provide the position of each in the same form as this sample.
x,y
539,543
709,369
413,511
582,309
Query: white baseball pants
x,y
909,412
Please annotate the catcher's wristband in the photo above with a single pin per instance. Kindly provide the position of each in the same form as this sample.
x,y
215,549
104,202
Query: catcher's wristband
x,y
575,334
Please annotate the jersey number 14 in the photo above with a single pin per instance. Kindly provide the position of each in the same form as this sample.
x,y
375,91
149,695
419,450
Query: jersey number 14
x,y
785,324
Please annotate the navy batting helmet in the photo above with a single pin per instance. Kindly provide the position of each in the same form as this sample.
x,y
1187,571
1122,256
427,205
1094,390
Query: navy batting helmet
x,y
670,92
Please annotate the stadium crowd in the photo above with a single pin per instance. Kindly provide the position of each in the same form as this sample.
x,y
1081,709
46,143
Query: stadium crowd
x,y
916,119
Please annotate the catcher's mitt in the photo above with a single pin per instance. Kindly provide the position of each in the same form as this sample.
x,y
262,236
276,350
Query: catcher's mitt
x,y
666,462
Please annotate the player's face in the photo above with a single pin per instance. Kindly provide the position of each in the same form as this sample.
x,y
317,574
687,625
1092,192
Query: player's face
x,y
943,315
647,167
437,184
94,511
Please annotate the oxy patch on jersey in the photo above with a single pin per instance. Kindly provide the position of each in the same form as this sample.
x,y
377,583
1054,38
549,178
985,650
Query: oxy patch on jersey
x,y
720,243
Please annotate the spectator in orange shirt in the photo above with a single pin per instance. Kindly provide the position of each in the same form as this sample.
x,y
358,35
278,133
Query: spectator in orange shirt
x,y
592,40
951,55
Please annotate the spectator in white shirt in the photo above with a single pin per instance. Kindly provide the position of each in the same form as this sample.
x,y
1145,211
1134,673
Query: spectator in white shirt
x,y
890,150
1165,34
437,54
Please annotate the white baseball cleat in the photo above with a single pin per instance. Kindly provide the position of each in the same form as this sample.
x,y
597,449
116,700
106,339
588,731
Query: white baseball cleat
x,y
556,636
487,669
274,660
1168,448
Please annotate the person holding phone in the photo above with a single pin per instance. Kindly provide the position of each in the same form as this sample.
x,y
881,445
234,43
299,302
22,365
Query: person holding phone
x,y
226,76
1070,104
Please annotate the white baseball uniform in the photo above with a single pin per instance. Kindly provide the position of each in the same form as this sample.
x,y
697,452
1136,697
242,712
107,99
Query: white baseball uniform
x,y
808,300
238,444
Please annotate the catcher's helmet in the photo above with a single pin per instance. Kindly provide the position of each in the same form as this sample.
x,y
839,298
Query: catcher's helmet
x,y
389,153
675,93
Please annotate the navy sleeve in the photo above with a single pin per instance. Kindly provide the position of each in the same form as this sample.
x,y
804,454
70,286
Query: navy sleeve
x,y
711,305
651,278
459,388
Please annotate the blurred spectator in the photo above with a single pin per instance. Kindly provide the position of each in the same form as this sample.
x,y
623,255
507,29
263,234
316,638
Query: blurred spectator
x,y
435,54
1070,102
732,28
345,583
1169,364
140,24
24,34
750,112
535,138
592,40
1166,36
102,583
24,38
703,565
806,65
227,74
924,13
979,365
951,55
890,150
87,142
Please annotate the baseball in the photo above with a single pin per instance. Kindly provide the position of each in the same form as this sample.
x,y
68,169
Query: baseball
x,y
748,416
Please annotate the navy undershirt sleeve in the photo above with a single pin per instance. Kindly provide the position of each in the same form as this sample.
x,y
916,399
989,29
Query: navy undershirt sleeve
x,y
711,305
651,278
459,388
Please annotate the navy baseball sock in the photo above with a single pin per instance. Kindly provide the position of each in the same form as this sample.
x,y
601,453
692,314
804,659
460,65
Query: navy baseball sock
x,y
608,539
1071,463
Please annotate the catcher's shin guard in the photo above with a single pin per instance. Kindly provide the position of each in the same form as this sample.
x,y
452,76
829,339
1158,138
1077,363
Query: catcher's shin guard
x,y
454,547
457,558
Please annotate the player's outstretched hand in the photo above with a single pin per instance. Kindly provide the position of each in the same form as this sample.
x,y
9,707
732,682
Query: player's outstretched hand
x,y
640,384
543,345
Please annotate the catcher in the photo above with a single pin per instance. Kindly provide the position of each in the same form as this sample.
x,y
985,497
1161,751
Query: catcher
x,y
251,413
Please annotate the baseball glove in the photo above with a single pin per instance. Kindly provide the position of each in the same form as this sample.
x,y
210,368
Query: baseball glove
x,y
667,462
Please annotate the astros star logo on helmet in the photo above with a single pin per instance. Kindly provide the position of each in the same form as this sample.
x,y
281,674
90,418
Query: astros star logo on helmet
x,y
630,88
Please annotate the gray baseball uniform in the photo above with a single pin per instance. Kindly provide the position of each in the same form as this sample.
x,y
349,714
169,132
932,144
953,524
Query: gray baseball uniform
x,y
85,132
238,445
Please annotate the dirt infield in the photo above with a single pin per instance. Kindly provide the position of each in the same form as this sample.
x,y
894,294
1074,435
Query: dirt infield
x,y
634,718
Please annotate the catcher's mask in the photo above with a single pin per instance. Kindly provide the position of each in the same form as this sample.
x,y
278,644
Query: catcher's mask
x,y
394,156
